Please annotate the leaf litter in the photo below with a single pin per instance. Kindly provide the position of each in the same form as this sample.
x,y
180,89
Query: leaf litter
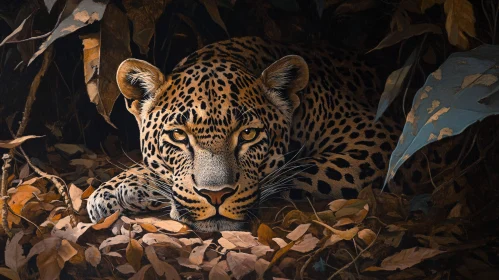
x,y
375,229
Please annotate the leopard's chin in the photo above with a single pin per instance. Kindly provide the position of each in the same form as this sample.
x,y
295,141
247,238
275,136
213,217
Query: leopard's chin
x,y
217,223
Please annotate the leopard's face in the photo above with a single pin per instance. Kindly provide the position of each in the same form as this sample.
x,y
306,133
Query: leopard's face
x,y
211,134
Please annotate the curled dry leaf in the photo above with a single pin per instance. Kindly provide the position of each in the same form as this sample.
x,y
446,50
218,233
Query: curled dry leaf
x,y
405,259
9,144
153,238
134,253
298,232
240,264
265,234
107,222
367,236
118,239
197,254
93,256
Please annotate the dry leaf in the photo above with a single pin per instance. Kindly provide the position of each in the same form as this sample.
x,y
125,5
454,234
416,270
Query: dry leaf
x,y
141,273
14,257
22,195
9,273
298,232
118,239
306,244
93,256
87,12
64,230
9,144
337,204
405,259
75,195
397,36
102,54
125,268
134,253
218,272
280,242
240,239
460,21
191,241
367,236
211,7
265,234
53,256
260,267
86,194
161,268
261,250
107,222
185,262
226,244
149,228
240,264
144,14
197,254
153,238
169,225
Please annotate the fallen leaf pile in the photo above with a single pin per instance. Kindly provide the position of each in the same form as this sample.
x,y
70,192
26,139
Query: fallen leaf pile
x,y
376,236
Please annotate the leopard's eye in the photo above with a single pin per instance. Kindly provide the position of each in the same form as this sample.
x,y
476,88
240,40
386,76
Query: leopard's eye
x,y
178,135
248,134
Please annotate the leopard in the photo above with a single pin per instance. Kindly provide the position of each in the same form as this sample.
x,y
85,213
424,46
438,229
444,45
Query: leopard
x,y
242,120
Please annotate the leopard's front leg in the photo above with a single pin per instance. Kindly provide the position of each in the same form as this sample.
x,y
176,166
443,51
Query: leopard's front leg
x,y
135,190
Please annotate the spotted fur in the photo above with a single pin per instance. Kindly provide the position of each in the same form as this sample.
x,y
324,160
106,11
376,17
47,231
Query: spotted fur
x,y
311,107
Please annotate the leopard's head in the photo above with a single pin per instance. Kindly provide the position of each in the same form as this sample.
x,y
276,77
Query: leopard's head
x,y
212,131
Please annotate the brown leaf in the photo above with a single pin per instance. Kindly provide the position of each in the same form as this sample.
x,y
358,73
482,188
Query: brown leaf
x,y
169,225
87,12
9,144
197,254
75,194
295,216
367,236
261,250
279,254
93,256
218,272
112,44
144,14
298,232
460,21
52,257
14,257
118,239
65,231
141,274
211,7
9,273
240,239
307,244
125,268
161,268
153,238
134,253
265,234
107,222
405,259
354,6
426,4
23,194
149,227
86,194
408,32
240,264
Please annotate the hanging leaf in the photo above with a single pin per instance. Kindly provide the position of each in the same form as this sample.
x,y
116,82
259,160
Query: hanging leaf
x,y
144,14
449,101
410,31
405,259
460,21
49,4
87,12
211,7
9,144
112,44
393,85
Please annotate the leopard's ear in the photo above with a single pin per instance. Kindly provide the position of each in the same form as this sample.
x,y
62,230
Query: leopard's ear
x,y
283,80
140,82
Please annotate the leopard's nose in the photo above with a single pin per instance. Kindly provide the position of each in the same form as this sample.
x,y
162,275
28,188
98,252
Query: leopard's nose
x,y
217,197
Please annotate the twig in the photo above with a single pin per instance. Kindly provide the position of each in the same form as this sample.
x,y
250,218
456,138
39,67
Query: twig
x,y
5,207
355,259
305,265
47,59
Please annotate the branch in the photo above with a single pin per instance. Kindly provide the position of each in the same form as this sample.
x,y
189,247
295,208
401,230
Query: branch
x,y
5,207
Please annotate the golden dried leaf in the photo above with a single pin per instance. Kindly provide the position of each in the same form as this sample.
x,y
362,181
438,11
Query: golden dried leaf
x,y
22,195
9,144
9,273
86,194
460,21
107,222
265,234
367,236
134,253
149,227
